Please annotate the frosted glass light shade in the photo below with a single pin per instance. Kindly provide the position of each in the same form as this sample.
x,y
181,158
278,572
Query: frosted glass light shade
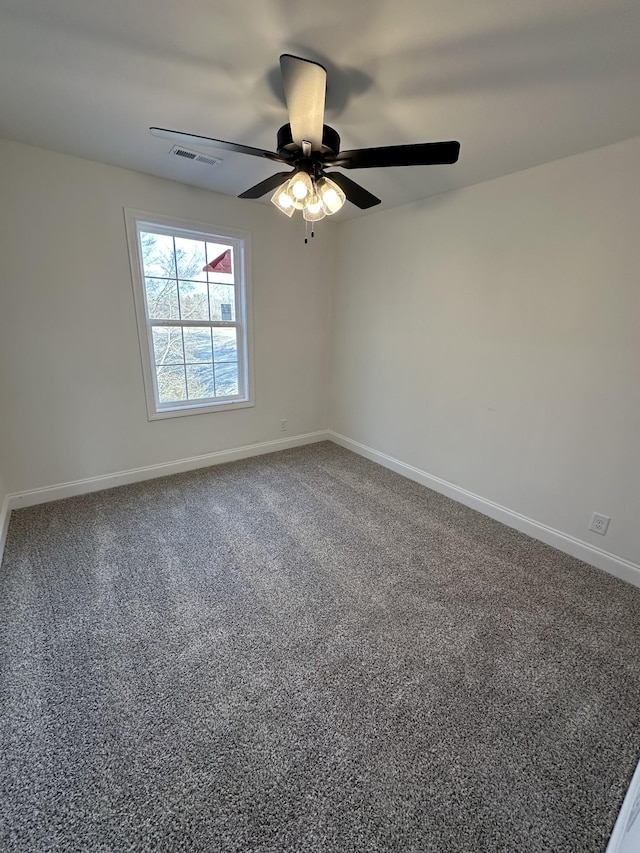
x,y
283,200
313,210
330,195
300,187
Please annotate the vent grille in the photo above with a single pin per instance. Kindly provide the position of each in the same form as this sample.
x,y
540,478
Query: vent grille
x,y
210,161
195,156
180,152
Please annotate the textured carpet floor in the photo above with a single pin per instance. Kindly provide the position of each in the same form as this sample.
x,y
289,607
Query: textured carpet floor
x,y
306,652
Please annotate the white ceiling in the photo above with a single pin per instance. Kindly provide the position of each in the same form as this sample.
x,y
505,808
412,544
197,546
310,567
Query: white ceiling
x,y
518,83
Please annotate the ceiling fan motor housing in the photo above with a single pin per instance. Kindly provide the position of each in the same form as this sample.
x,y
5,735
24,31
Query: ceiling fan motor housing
x,y
287,147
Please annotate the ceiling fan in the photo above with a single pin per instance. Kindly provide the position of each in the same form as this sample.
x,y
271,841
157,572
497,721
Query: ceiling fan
x,y
309,147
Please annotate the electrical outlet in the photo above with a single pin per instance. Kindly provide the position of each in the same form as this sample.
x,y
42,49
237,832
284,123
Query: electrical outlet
x,y
599,523
283,424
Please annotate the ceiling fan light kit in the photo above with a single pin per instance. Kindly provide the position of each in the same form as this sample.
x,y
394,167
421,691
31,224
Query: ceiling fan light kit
x,y
309,146
315,197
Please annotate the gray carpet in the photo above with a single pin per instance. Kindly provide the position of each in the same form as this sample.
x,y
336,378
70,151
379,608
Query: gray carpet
x,y
306,652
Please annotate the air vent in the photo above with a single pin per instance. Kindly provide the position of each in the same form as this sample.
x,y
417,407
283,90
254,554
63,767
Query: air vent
x,y
209,161
179,151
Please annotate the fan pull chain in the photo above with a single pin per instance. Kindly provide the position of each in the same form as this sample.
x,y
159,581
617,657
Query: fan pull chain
x,y
306,232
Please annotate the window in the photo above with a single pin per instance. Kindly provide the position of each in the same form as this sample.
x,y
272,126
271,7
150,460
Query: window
x,y
191,294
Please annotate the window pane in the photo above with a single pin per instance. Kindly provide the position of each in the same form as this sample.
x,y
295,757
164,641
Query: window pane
x,y
171,384
194,301
223,302
200,381
162,299
226,379
225,347
197,344
190,257
167,345
158,258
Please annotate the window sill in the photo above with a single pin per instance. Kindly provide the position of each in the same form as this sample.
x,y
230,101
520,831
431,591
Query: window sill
x,y
183,411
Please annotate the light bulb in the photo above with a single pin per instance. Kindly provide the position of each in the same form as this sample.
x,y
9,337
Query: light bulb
x,y
331,196
313,210
299,188
283,200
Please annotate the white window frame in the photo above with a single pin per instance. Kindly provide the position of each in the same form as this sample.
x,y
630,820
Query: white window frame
x,y
240,241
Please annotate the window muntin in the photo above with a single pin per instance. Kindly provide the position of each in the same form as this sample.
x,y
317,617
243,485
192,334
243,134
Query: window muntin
x,y
192,322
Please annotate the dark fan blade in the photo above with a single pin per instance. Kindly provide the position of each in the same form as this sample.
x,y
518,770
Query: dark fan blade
x,y
265,186
424,154
184,138
354,192
305,84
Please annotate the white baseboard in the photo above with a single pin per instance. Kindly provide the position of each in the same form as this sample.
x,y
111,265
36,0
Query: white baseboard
x,y
150,472
618,566
625,837
5,514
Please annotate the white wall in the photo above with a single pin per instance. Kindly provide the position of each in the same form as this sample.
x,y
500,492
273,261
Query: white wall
x,y
491,337
70,375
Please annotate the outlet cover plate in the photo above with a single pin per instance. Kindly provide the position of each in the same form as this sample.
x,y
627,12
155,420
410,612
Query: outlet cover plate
x,y
599,523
